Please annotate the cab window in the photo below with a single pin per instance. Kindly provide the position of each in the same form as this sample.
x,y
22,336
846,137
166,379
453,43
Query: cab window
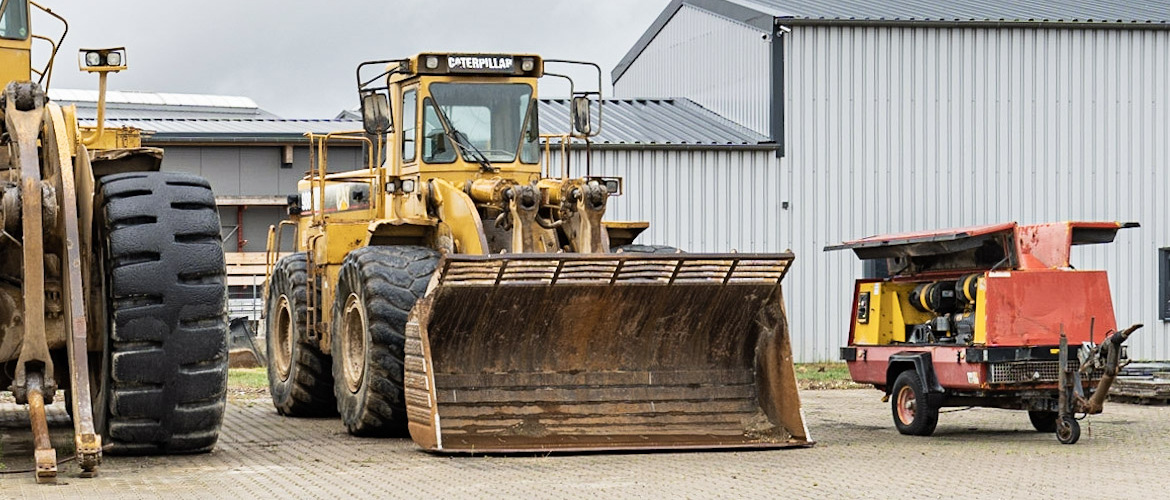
x,y
409,115
14,20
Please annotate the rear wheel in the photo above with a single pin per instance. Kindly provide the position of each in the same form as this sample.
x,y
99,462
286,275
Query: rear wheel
x,y
376,290
914,413
1043,421
299,378
162,378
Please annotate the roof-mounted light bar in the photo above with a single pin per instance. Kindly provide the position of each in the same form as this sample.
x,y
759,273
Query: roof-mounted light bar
x,y
480,64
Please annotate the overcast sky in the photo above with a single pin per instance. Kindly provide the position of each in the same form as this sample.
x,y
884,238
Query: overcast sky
x,y
296,58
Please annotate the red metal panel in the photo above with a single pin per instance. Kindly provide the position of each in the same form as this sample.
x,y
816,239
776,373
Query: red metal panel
x,y
928,236
1029,308
1044,246
951,369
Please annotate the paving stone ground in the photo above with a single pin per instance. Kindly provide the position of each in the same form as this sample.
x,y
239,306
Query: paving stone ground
x,y
978,453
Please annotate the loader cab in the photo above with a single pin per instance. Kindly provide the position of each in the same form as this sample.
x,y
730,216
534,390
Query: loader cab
x,y
465,115
15,41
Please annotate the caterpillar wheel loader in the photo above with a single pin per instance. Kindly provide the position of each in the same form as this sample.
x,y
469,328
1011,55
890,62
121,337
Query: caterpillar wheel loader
x,y
111,272
991,316
460,289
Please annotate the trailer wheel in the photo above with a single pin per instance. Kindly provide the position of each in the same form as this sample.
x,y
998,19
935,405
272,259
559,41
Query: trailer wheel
x,y
1043,421
1068,430
160,384
647,249
376,290
299,378
914,413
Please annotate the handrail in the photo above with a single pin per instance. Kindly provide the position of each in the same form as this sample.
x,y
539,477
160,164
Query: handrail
x,y
317,174
46,80
565,141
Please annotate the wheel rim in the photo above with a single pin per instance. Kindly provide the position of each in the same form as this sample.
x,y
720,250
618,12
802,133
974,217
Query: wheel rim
x,y
282,338
1063,430
907,405
353,342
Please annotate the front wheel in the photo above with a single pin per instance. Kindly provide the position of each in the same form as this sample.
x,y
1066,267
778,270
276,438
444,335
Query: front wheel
x,y
914,413
377,287
1068,430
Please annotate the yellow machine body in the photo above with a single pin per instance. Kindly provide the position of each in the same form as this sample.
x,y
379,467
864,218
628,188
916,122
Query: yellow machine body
x,y
533,334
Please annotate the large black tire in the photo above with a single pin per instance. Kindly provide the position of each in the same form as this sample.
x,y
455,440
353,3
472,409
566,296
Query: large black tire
x,y
376,290
1043,421
299,377
163,374
646,249
914,412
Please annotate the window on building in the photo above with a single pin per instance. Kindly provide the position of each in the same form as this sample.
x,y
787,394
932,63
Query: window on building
x,y
1164,283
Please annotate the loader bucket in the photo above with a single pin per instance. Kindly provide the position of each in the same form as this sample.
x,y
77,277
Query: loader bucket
x,y
575,352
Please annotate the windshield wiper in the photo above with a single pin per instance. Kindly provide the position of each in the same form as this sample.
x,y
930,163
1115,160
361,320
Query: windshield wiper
x,y
460,139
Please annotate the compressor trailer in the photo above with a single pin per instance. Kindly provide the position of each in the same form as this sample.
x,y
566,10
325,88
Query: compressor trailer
x,y
991,316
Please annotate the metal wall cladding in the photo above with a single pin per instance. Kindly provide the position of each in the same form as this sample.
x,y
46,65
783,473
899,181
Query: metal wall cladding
x,y
892,129
711,60
901,129
699,200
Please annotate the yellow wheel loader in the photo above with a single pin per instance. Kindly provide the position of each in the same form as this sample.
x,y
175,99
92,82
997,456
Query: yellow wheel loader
x,y
458,288
111,272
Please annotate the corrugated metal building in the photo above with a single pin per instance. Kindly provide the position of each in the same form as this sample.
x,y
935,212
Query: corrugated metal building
x,y
252,158
900,115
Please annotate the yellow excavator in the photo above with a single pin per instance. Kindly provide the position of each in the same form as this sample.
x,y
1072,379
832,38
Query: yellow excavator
x,y
458,288
111,273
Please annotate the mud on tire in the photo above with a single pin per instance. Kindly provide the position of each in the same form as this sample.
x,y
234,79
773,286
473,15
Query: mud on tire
x,y
376,290
299,377
163,374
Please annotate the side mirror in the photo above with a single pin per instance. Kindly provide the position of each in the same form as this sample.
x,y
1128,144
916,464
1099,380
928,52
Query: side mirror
x,y
376,113
580,115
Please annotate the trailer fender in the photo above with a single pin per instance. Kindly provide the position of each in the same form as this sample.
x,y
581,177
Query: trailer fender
x,y
918,361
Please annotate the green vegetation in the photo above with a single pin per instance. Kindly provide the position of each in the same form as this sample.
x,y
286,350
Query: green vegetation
x,y
247,379
824,376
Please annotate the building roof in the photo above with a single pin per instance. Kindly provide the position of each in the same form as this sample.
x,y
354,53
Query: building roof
x,y
766,14
232,130
667,123
664,123
1125,12
131,104
195,117
654,122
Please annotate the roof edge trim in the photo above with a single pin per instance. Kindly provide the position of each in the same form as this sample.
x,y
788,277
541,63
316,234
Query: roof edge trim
x,y
928,23
644,41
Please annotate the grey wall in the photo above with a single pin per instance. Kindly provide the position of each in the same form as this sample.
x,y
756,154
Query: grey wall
x,y
895,129
252,170
712,200
713,61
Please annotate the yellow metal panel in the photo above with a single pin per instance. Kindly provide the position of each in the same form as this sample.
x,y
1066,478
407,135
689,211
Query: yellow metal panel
x,y
15,65
889,313
981,312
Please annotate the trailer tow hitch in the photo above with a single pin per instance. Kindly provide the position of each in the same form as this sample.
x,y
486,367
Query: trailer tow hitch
x,y
1072,400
